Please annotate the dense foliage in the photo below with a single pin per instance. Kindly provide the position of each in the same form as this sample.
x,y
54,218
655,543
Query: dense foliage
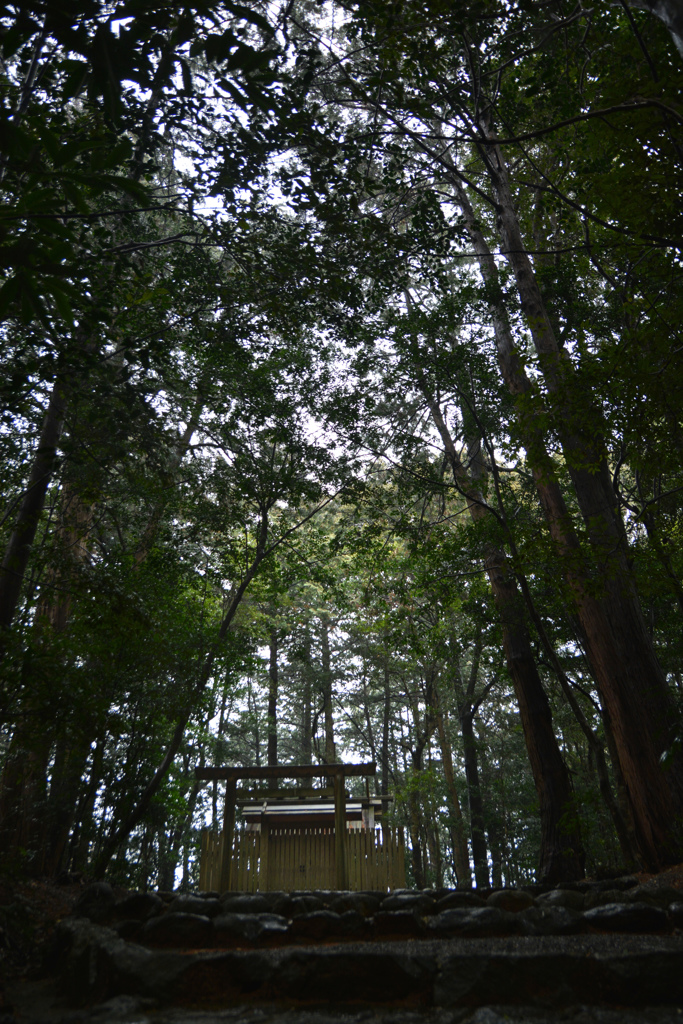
x,y
341,419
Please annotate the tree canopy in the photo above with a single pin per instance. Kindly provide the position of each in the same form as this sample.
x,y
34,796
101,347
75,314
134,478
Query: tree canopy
x,y
342,418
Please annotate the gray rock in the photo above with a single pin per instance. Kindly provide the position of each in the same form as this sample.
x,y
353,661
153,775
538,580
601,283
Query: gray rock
x,y
94,963
461,898
235,929
569,898
658,896
139,906
627,917
292,906
326,895
604,897
512,900
360,902
245,904
348,976
321,924
194,905
417,902
676,914
178,930
128,929
353,925
96,902
477,922
550,920
625,882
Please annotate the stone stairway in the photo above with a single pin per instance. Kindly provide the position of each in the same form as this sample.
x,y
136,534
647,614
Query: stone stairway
x,y
582,953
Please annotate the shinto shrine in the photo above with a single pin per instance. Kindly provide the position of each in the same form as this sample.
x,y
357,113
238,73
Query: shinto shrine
x,y
300,837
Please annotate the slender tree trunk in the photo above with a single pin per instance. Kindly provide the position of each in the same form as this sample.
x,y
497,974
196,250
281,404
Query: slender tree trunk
x,y
330,753
625,835
632,687
461,858
386,719
21,540
415,821
273,680
466,712
477,822
84,828
562,855
23,793
306,712
65,783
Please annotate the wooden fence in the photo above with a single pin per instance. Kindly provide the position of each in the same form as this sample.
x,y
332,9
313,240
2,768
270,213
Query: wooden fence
x,y
291,859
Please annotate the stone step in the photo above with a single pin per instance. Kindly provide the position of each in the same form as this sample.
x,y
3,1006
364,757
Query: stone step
x,y
94,964
236,920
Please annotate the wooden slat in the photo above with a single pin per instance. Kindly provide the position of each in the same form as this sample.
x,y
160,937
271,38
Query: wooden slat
x,y
374,860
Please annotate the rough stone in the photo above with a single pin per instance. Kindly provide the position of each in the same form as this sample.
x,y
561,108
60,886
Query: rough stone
x,y
624,882
627,917
550,920
96,902
354,925
128,929
360,902
658,896
558,978
245,904
512,900
477,922
418,902
459,899
354,976
320,924
178,930
139,906
676,914
604,897
94,963
292,906
459,975
569,898
186,904
235,929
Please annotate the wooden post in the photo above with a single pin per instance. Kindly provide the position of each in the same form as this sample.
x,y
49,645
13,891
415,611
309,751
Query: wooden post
x,y
263,866
228,834
340,831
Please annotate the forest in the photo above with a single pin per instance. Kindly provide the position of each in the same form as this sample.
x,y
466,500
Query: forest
x,y
342,420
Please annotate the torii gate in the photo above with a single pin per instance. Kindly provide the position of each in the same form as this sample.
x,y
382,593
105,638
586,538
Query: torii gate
x,y
338,772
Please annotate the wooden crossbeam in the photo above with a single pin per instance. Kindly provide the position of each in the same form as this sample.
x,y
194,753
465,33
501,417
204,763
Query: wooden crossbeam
x,y
251,795
286,771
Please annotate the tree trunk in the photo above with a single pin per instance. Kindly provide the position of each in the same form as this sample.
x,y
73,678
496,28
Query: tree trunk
x,y
625,835
273,679
461,858
84,825
386,719
330,753
21,540
466,713
562,855
477,823
631,684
